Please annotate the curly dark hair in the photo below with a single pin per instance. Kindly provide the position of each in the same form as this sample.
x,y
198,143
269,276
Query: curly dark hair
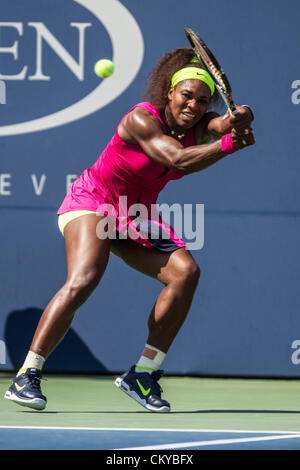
x,y
159,79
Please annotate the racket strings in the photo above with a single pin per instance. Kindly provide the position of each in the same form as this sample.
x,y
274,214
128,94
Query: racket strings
x,y
212,68
205,56
217,74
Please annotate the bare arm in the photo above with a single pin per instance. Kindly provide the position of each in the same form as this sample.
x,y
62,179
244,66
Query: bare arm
x,y
144,129
213,126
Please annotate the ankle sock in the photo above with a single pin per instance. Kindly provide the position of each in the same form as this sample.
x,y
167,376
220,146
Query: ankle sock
x,y
32,360
150,360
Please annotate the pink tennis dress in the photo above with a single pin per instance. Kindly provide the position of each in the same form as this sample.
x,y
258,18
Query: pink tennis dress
x,y
124,184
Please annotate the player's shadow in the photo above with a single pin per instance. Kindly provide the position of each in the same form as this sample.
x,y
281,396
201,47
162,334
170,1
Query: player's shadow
x,y
71,355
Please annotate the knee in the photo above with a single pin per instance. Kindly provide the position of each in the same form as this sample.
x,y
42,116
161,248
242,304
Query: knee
x,y
82,283
186,274
190,273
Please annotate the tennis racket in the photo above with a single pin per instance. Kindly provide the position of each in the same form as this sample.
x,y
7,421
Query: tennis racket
x,y
207,59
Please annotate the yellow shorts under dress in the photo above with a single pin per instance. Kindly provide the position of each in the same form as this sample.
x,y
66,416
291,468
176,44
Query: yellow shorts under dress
x,y
64,219
160,244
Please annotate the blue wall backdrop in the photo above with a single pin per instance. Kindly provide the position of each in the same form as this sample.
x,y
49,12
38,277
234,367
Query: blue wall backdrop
x,y
58,117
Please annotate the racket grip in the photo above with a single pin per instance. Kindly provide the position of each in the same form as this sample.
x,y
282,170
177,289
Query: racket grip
x,y
227,146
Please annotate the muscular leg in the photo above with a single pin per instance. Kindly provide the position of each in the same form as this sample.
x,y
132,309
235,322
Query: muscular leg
x,y
179,273
87,257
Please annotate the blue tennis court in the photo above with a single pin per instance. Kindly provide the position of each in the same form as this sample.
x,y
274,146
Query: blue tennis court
x,y
50,438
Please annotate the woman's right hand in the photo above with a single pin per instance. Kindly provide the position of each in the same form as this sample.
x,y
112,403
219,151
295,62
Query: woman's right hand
x,y
241,140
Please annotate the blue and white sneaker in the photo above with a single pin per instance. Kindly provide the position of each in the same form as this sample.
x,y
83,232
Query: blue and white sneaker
x,y
144,388
26,390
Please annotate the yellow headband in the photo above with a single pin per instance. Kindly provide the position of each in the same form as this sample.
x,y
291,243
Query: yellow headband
x,y
193,73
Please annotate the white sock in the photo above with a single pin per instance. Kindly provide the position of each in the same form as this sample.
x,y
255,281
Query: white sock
x,y
32,360
150,360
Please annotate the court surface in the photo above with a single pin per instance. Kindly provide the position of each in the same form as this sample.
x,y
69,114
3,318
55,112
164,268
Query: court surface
x,y
91,413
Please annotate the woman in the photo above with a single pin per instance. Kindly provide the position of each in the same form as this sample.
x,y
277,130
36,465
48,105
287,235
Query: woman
x,y
157,141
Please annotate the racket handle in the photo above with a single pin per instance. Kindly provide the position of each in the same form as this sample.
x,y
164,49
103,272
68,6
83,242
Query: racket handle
x,y
233,112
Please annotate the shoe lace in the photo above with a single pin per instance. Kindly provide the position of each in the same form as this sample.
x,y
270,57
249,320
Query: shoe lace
x,y
156,375
35,382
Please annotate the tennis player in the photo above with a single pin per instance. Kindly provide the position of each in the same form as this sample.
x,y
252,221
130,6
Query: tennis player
x,y
165,138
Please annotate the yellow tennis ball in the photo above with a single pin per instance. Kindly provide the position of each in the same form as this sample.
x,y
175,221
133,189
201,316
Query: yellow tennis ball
x,y
104,68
